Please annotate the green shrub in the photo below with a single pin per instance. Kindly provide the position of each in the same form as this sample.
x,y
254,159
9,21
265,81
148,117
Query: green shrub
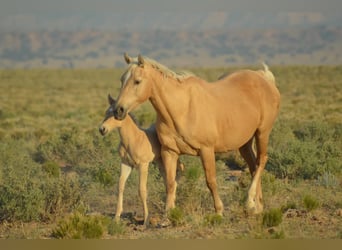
x,y
328,180
289,205
213,220
278,235
192,173
176,216
52,168
306,152
116,227
310,203
104,176
79,226
272,218
21,196
28,192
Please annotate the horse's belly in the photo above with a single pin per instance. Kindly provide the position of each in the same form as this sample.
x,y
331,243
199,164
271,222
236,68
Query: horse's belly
x,y
233,140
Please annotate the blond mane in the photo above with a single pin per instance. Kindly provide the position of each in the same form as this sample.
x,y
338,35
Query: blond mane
x,y
165,71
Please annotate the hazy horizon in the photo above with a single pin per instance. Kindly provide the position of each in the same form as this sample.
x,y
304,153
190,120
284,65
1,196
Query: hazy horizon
x,y
153,14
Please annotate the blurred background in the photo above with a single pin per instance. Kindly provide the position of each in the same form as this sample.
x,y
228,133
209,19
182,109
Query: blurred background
x,y
181,33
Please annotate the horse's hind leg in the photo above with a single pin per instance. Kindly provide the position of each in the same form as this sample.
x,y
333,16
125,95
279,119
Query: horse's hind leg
x,y
248,155
125,172
254,202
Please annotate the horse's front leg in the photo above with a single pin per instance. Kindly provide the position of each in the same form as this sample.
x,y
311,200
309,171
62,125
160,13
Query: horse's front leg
x,y
208,161
170,164
125,172
143,173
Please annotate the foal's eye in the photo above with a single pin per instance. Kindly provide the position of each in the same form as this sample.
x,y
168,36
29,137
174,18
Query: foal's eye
x,y
137,81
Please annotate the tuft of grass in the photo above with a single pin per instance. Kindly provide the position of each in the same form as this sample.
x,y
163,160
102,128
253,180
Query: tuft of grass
x,y
278,235
176,216
288,205
213,219
52,169
79,226
310,203
328,180
193,173
116,227
272,218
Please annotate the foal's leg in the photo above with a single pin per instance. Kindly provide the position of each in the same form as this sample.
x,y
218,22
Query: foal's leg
x,y
170,164
143,173
254,202
208,161
125,172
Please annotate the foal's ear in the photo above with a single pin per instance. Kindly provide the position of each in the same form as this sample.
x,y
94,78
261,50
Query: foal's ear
x,y
127,58
111,101
141,61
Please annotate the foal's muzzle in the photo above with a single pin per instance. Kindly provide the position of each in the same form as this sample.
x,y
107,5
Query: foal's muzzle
x,y
119,113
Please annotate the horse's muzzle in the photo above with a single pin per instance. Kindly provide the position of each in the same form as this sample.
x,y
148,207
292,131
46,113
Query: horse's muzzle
x,y
119,113
102,130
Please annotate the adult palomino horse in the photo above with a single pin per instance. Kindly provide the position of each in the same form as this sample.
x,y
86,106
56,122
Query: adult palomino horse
x,y
199,118
138,147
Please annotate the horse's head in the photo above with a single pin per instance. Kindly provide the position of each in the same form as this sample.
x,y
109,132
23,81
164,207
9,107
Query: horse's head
x,y
135,87
109,122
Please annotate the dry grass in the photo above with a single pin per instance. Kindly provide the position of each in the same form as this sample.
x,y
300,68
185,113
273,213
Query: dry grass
x,y
50,118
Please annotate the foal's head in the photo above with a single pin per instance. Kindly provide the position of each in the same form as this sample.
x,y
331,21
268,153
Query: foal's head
x,y
135,87
109,123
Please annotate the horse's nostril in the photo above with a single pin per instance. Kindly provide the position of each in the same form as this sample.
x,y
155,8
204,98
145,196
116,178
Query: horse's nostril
x,y
102,130
119,113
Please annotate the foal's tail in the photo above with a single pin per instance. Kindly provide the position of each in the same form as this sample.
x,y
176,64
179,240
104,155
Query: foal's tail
x,y
267,73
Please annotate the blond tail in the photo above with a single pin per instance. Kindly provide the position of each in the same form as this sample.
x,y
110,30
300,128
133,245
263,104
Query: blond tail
x,y
268,74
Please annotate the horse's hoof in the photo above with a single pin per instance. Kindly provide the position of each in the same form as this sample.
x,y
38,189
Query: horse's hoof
x,y
254,209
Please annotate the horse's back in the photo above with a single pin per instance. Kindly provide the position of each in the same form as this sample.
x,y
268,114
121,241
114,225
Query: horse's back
x,y
260,89
254,84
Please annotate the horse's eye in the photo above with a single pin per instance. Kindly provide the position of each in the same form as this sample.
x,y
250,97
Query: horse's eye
x,y
137,81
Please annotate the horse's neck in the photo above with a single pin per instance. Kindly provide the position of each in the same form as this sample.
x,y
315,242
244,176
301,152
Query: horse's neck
x,y
168,99
129,131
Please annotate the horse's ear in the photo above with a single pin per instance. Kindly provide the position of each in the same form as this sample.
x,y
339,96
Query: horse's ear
x,y
127,58
141,61
111,101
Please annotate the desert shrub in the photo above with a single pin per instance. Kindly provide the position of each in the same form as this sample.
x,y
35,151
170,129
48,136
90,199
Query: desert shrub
x,y
21,197
328,180
61,195
310,203
69,146
28,192
104,176
272,218
79,226
192,192
305,152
